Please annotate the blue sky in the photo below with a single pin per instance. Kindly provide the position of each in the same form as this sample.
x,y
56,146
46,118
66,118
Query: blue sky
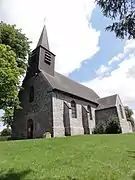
x,y
84,50
109,47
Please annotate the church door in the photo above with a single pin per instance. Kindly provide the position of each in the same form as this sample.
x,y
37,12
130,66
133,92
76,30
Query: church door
x,y
66,120
85,121
30,129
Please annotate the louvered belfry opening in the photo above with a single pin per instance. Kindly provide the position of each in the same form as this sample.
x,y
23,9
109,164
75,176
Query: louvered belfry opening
x,y
47,57
42,58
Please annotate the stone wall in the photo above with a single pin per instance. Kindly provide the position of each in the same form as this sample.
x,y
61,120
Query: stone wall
x,y
125,125
91,122
104,114
40,110
75,123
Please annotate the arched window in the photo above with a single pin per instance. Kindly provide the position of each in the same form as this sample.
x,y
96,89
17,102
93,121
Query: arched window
x,y
89,110
31,95
73,107
121,111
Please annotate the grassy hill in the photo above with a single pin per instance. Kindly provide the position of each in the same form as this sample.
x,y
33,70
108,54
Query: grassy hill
x,y
93,157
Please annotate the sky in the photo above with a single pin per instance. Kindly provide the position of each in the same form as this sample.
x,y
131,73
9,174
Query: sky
x,y
84,51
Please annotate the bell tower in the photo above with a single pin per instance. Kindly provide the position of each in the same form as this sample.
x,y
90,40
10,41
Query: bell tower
x,y
42,58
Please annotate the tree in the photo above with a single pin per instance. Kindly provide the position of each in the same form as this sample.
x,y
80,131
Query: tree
x,y
6,132
14,50
9,80
18,42
122,12
129,114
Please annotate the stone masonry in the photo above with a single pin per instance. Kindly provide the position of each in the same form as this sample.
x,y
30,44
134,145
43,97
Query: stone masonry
x,y
40,110
75,123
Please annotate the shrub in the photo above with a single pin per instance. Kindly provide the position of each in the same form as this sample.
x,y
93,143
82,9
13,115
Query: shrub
x,y
6,132
5,138
113,126
99,129
110,126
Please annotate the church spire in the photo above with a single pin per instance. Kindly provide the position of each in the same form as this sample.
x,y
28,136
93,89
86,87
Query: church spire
x,y
43,40
42,58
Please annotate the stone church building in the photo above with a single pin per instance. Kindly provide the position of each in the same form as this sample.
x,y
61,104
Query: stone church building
x,y
53,102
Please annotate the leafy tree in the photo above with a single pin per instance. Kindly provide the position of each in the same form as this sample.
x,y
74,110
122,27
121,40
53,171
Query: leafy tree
x,y
9,81
122,12
18,42
129,114
14,49
6,132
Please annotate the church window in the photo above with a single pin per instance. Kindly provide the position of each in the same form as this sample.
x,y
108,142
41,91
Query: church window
x,y
48,57
31,95
121,111
73,107
89,110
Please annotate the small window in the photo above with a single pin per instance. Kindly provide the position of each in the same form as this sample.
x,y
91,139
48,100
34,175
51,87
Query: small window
x,y
31,96
90,113
121,111
73,107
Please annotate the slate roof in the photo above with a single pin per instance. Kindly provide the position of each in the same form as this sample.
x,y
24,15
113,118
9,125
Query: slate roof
x,y
43,40
63,83
107,102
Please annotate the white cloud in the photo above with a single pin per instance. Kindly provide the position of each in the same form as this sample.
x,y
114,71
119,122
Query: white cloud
x,y
127,54
127,51
116,58
69,35
120,81
131,71
102,70
128,48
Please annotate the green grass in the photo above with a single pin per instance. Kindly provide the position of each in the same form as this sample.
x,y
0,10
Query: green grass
x,y
92,157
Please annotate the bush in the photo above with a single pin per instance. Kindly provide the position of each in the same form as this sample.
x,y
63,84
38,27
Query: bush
x,y
111,126
6,132
5,138
99,129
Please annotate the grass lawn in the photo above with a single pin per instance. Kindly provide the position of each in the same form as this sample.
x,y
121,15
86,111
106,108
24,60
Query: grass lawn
x,y
92,157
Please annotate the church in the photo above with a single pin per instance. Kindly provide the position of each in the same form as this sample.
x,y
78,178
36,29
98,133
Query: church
x,y
51,102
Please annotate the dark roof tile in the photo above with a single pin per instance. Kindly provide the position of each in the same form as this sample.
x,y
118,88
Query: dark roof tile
x,y
107,102
63,83
43,40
